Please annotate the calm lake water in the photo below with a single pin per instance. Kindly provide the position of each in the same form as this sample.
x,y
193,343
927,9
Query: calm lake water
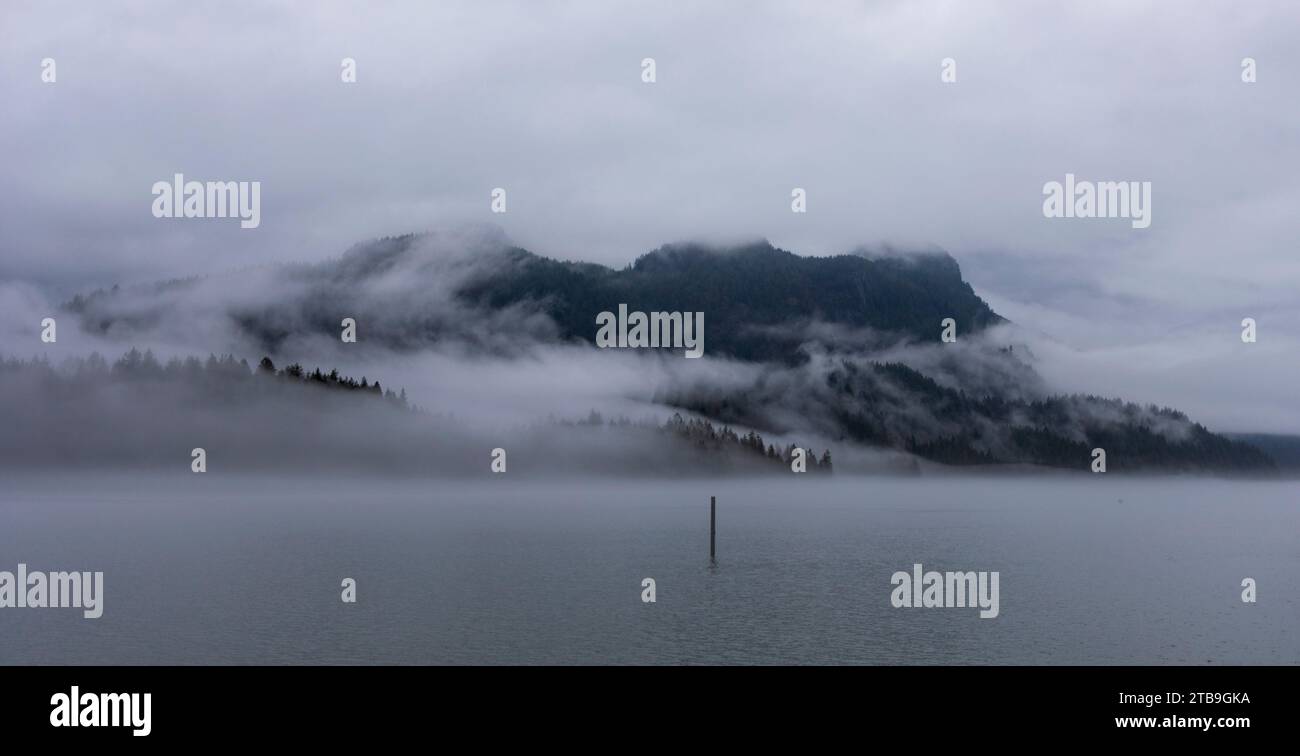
x,y
214,570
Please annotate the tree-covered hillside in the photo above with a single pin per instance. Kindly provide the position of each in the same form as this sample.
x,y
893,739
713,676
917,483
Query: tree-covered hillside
x,y
810,332
753,296
892,405
756,299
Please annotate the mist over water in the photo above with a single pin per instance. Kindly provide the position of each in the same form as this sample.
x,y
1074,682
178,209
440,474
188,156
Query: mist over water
x,y
220,569
309,355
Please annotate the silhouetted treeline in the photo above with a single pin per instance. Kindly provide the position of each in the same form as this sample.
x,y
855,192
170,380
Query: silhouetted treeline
x,y
222,376
707,438
704,435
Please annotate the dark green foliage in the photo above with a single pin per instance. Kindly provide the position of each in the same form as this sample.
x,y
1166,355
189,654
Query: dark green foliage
x,y
704,436
218,377
1283,449
893,405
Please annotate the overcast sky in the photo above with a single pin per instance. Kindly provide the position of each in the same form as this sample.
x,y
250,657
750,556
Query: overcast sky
x,y
752,99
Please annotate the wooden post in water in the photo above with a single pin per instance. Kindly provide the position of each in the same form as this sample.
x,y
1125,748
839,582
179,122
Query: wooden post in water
x,y
713,528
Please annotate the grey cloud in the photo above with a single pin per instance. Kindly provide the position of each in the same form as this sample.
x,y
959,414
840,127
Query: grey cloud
x,y
753,99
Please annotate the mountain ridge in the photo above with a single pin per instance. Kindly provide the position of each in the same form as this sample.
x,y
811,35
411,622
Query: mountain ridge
x,y
811,329
745,291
